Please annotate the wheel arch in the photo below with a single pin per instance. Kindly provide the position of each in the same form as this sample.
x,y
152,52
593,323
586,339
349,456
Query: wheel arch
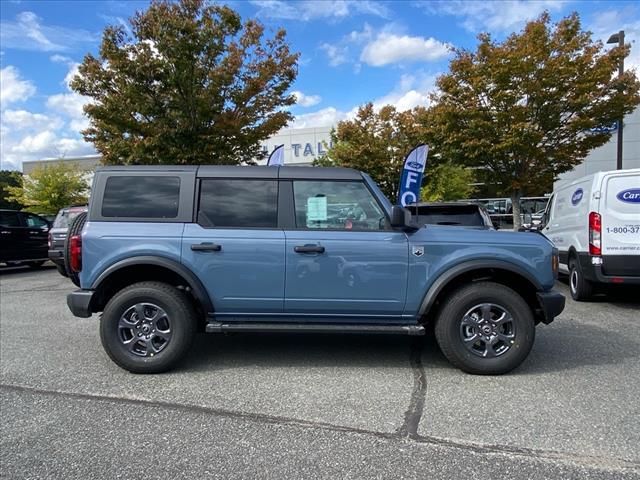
x,y
143,268
506,273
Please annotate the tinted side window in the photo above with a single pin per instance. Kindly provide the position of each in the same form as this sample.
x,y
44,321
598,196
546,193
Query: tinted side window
x,y
336,205
9,219
141,197
35,221
238,203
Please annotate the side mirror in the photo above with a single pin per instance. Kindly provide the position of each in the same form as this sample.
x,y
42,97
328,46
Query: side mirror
x,y
527,218
400,217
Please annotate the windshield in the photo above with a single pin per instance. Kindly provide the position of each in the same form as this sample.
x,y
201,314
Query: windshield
x,y
66,216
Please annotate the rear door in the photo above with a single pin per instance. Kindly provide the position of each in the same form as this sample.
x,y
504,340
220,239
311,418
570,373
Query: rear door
x,y
11,235
620,215
343,260
36,233
236,248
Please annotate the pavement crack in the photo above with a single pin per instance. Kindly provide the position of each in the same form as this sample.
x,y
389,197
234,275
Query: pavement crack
x,y
413,415
601,463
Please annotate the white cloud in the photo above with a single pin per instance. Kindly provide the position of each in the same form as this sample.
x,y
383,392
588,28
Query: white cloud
x,y
18,120
325,117
306,10
28,33
13,88
492,16
388,48
70,104
306,100
606,23
411,91
337,54
29,135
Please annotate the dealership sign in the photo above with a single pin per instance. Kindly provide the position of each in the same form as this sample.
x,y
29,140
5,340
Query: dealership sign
x,y
411,179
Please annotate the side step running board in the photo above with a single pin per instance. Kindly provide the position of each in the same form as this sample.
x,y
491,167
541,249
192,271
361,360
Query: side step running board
x,y
215,327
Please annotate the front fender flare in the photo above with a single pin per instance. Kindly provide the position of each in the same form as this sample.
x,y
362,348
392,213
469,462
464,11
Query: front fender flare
x,y
441,282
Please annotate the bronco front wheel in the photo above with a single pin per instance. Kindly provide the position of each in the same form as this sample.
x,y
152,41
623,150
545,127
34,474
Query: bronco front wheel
x,y
485,328
148,327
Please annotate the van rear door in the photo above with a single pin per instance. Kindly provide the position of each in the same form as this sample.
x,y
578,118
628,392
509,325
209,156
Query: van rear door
x,y
620,214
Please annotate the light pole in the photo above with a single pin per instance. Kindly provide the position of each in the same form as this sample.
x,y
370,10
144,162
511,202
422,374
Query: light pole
x,y
619,39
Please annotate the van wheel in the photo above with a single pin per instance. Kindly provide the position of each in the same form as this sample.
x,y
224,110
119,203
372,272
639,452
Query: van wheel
x,y
485,328
148,327
580,287
75,229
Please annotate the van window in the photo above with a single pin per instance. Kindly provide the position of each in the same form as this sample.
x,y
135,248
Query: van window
x,y
140,196
238,203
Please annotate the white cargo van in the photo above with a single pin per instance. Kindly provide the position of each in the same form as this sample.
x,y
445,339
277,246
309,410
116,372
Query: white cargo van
x,y
595,223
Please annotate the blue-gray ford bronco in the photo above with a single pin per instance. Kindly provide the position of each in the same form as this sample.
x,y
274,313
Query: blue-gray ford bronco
x,y
165,252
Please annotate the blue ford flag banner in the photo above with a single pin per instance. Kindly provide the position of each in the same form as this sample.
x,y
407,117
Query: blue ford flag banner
x,y
277,156
411,178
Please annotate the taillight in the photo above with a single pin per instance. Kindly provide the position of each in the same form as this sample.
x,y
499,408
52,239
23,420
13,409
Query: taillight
x,y
75,250
595,234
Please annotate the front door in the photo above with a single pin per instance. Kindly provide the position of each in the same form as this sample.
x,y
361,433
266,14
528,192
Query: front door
x,y
342,259
236,249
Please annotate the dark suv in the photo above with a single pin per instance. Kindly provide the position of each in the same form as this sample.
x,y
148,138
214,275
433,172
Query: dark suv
x,y
23,238
58,235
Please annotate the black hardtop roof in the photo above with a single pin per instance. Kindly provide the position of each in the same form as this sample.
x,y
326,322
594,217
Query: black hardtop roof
x,y
231,171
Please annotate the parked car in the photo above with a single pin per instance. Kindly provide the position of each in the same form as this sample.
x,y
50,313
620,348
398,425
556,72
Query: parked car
x,y
595,223
58,235
23,238
450,213
167,251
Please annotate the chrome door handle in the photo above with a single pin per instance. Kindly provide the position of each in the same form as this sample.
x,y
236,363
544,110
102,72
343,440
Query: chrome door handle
x,y
5,232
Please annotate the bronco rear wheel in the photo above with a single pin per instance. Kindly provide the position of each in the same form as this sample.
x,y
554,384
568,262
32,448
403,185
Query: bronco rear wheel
x,y
148,327
485,328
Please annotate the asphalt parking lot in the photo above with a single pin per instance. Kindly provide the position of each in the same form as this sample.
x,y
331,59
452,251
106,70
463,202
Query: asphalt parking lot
x,y
300,406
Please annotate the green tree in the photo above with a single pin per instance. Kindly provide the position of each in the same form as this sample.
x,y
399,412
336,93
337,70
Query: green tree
x,y
9,178
50,187
193,84
376,143
529,108
448,181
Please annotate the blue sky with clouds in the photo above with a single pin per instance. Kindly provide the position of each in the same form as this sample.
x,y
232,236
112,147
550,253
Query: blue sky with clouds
x,y
352,52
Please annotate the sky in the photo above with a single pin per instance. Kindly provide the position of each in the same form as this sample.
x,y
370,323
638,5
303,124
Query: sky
x,y
352,52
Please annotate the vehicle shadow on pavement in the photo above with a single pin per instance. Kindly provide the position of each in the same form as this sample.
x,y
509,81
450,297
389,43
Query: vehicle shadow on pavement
x,y
557,348
308,350
8,271
562,347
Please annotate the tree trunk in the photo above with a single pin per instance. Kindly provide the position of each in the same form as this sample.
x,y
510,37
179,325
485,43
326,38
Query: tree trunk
x,y
515,205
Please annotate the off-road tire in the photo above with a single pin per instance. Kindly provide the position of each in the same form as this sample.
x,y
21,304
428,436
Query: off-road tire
x,y
75,229
449,325
179,310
